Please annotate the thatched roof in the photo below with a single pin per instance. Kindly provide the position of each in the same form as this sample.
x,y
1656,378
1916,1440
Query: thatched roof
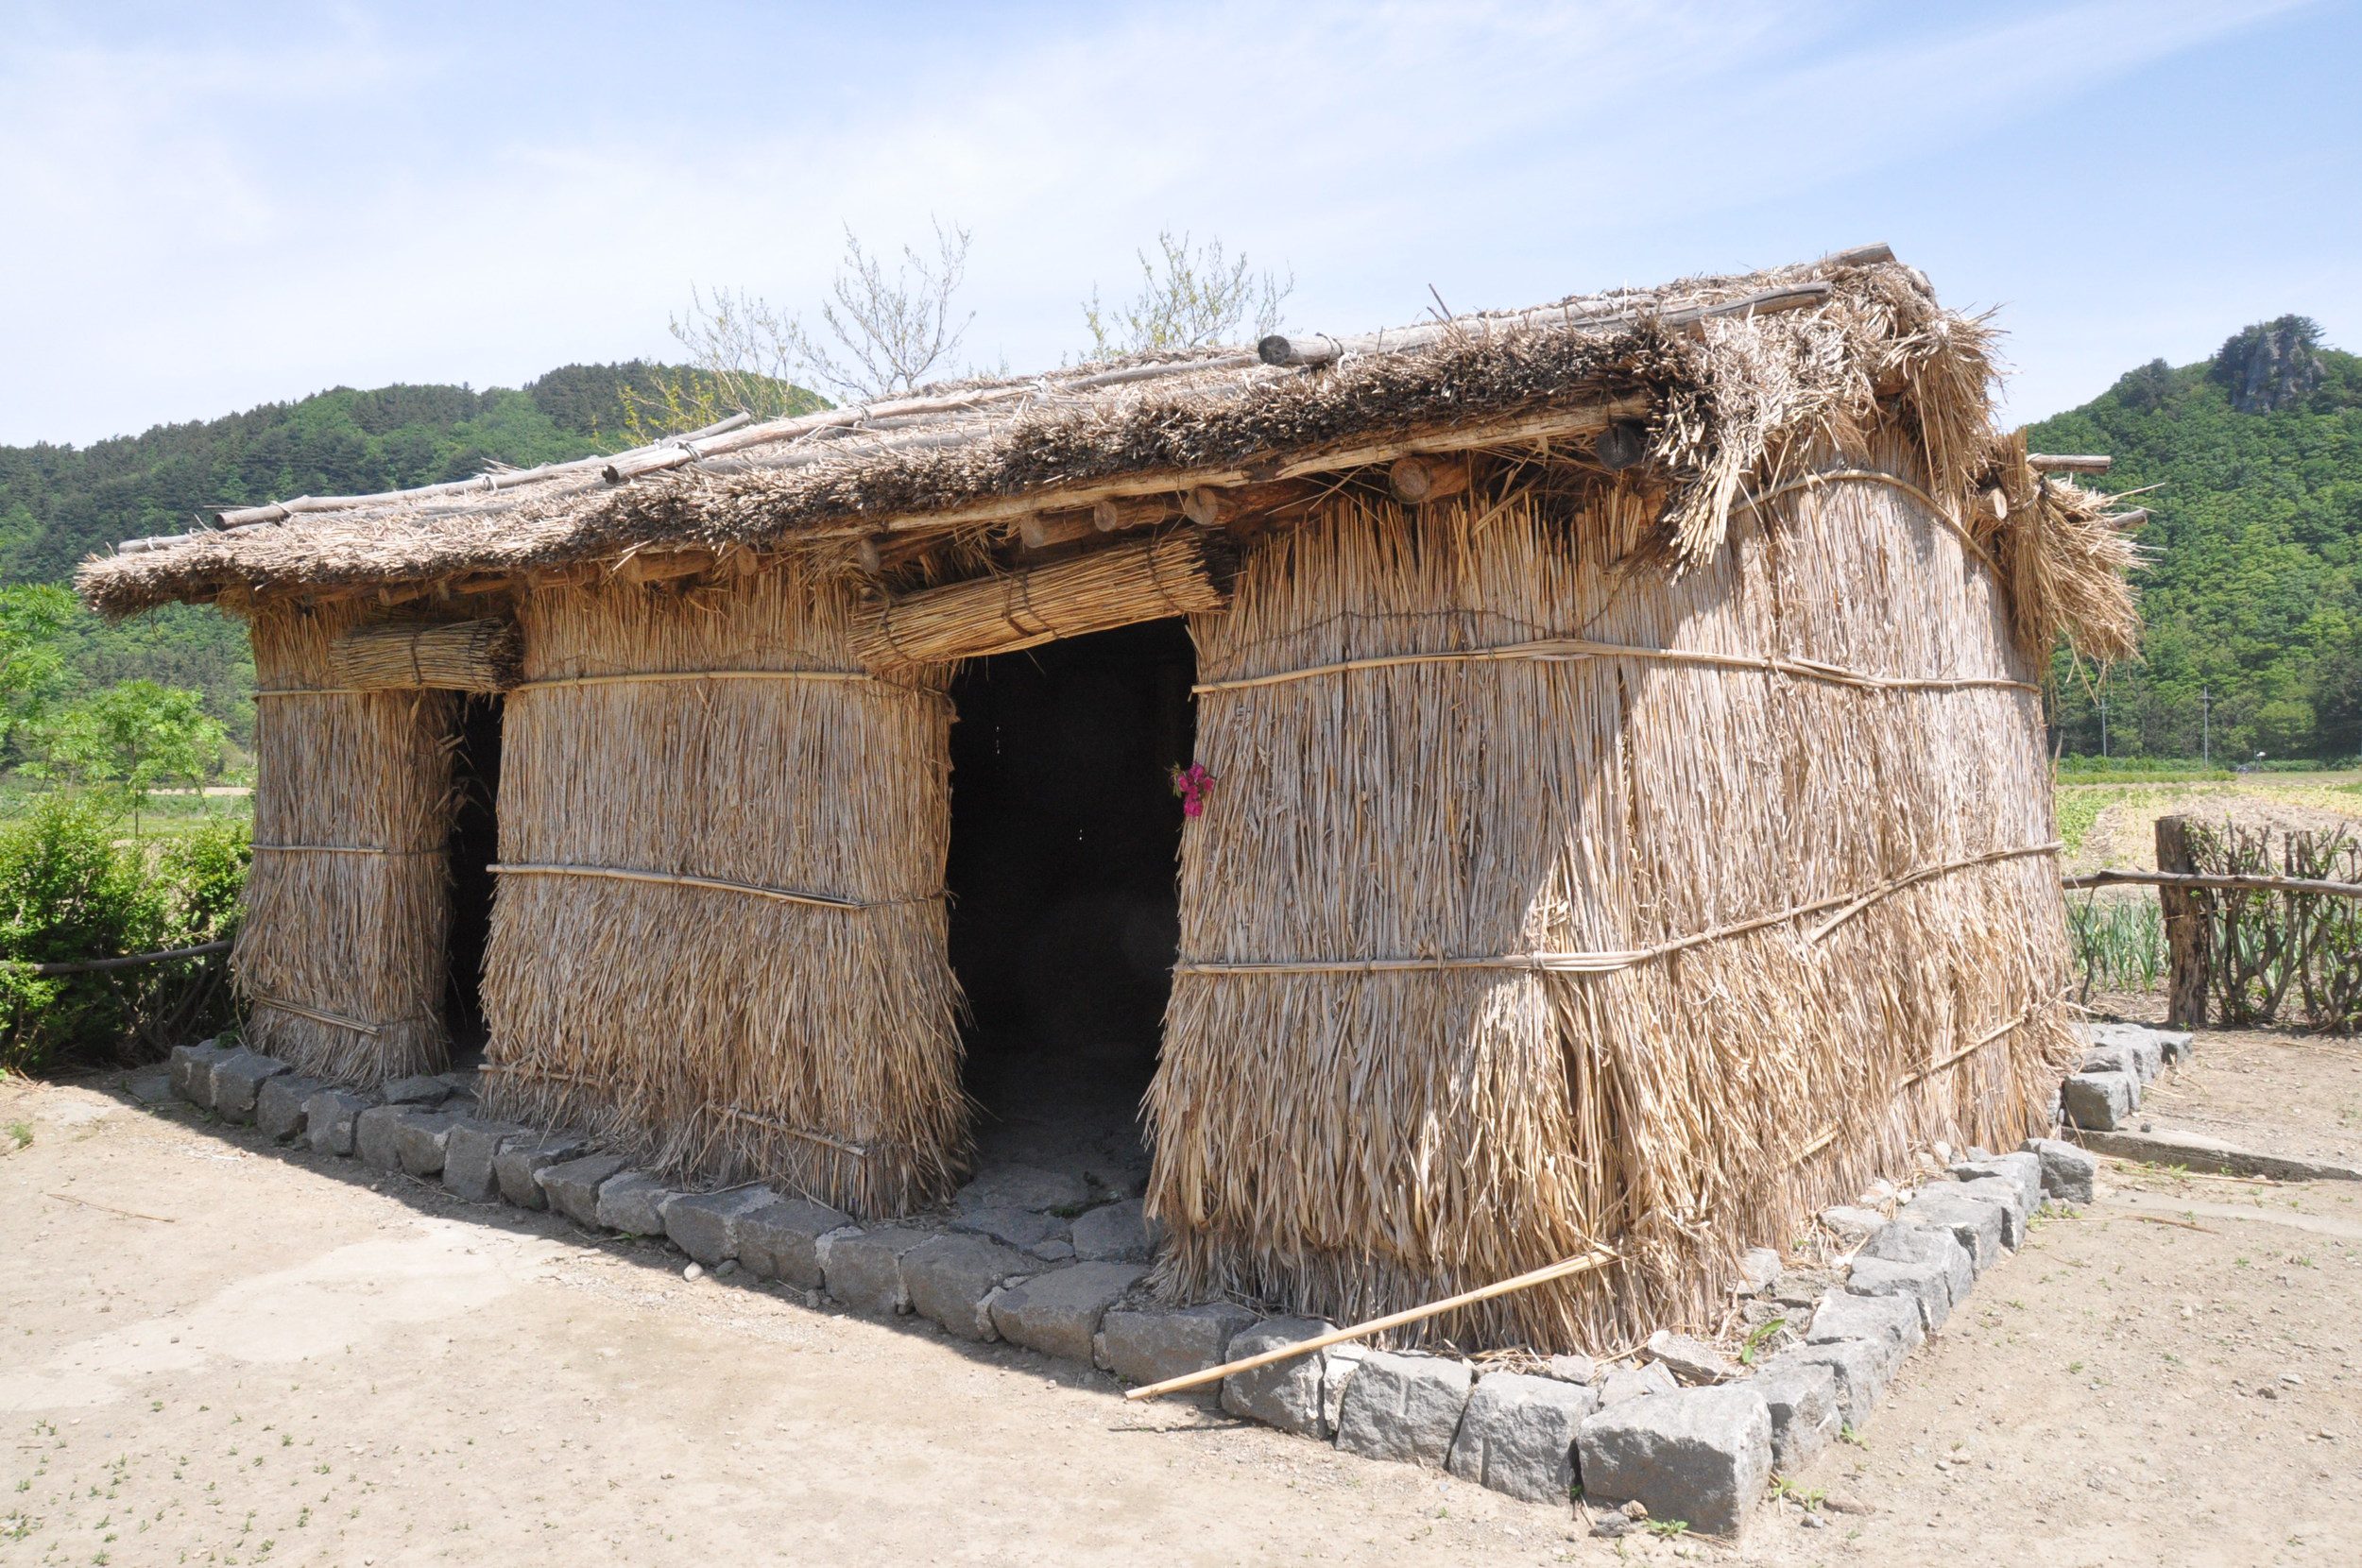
x,y
1711,385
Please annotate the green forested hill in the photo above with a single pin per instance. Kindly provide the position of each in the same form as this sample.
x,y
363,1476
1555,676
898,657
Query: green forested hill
x,y
59,503
2252,594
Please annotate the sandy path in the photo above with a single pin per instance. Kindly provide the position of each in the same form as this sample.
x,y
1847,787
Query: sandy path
x,y
292,1364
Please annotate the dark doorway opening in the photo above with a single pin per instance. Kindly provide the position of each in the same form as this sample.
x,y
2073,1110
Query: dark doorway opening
x,y
474,850
1065,915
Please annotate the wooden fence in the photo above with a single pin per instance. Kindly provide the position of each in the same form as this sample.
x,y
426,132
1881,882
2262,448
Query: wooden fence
x,y
2260,927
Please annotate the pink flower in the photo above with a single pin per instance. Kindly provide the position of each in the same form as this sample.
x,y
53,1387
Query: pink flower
x,y
1192,784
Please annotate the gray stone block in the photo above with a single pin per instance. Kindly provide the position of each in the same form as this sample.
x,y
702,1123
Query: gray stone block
x,y
2102,1101
418,1089
1803,1400
1851,1223
1976,1225
238,1079
1286,1394
2022,1168
1928,1244
1572,1367
951,1280
632,1201
1339,1364
1023,1187
1149,1344
781,1241
1404,1408
193,1071
865,1269
468,1150
1113,1232
2145,1051
1688,1360
1923,1285
1058,1312
150,1088
330,1117
2068,1172
1760,1270
1517,1435
1015,1227
2007,1196
519,1165
705,1224
418,1136
1882,1319
373,1133
572,1185
1863,1368
278,1105
1700,1455
1623,1383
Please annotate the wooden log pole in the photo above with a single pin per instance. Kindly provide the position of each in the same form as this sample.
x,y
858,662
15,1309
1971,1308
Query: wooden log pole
x,y
1598,1257
1118,513
1046,530
2050,462
1417,481
2189,926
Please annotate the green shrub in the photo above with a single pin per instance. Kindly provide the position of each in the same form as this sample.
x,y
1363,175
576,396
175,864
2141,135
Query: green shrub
x,y
70,890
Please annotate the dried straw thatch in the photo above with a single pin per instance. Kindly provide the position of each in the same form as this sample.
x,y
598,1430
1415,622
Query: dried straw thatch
x,y
340,959
1443,1014
451,656
767,992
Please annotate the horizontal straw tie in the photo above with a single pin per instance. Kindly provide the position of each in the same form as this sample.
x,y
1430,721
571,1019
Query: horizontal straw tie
x,y
2024,1017
1557,650
642,678
337,849
1847,904
1877,476
718,884
319,1015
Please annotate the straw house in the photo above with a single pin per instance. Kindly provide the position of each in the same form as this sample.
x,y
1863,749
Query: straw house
x,y
1620,822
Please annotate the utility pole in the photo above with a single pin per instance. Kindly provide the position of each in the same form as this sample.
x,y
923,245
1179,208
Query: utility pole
x,y
2205,727
2103,726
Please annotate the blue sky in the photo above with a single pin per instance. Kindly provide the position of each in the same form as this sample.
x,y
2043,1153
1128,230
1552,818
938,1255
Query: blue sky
x,y
206,208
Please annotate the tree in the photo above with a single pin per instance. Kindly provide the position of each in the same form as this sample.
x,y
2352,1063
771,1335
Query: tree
x,y
882,334
1189,296
131,738
31,615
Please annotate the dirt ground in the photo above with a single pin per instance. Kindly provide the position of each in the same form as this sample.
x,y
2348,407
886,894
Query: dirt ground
x,y
299,1364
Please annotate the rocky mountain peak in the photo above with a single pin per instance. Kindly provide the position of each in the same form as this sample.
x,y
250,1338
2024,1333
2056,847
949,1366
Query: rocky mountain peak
x,y
2271,365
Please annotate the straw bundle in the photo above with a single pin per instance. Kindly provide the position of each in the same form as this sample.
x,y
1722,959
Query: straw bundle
x,y
454,655
1554,1063
704,1012
340,959
1120,585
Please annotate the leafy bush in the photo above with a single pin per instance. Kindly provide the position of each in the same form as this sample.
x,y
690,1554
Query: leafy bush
x,y
69,891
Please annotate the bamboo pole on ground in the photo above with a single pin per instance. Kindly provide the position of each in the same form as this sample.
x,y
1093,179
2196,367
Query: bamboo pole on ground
x,y
1598,1257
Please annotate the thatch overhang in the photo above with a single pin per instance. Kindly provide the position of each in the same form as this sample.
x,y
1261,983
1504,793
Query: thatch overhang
x,y
1703,389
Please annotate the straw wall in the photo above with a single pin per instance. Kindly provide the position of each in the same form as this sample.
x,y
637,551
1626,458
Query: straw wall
x,y
1351,1142
340,959
726,1030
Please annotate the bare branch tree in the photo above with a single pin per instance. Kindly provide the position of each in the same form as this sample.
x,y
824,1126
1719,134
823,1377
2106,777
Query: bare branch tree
x,y
1189,296
890,331
883,333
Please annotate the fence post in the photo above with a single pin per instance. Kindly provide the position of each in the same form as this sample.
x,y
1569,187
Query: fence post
x,y
2189,929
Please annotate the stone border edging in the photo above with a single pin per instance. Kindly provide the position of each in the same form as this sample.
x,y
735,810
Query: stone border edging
x,y
1635,1441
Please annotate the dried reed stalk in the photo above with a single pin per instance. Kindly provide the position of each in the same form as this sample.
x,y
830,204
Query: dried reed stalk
x,y
357,936
1173,575
452,656
1349,1144
708,1029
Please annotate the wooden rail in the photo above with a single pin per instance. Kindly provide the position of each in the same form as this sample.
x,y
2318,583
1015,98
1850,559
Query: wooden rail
x,y
2227,884
129,961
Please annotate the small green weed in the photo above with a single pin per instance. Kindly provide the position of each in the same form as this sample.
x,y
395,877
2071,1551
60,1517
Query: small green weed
x,y
1756,1340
